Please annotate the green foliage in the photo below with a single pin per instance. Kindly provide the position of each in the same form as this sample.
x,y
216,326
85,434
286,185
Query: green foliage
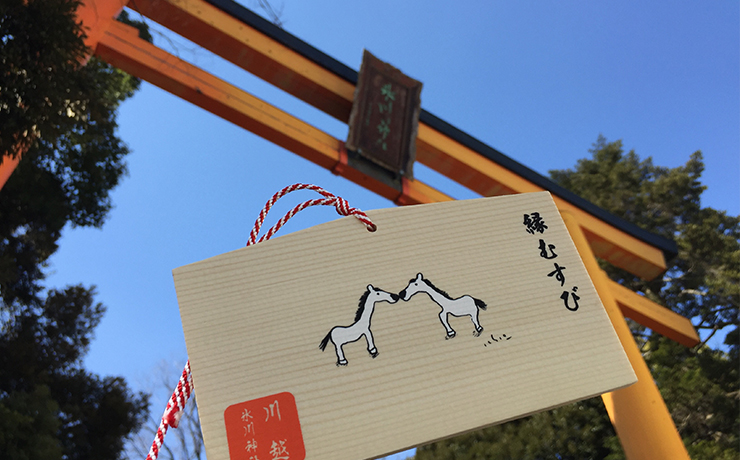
x,y
63,116
41,49
28,423
66,116
46,94
701,386
703,282
77,413
574,432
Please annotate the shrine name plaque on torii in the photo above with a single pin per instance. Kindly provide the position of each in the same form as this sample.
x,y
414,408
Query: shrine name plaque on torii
x,y
224,27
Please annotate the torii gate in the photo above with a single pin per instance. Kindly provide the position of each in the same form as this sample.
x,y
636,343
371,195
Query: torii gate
x,y
638,412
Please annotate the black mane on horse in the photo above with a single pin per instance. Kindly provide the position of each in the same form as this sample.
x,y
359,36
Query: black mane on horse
x,y
361,306
429,283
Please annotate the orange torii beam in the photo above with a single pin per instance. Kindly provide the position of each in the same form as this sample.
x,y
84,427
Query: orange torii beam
x,y
638,412
654,316
7,167
96,16
220,32
122,47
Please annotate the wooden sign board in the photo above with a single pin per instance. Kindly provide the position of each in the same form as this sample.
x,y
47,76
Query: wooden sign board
x,y
385,116
337,343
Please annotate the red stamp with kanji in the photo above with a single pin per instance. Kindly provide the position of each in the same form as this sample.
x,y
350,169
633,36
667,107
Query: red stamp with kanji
x,y
265,429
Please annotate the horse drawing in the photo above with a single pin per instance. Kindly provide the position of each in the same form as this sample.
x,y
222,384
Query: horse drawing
x,y
462,306
340,335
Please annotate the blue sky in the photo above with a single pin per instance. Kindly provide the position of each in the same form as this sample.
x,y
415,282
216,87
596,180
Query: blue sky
x,y
538,81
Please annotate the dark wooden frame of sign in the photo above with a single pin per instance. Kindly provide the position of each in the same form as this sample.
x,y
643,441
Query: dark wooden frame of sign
x,y
401,154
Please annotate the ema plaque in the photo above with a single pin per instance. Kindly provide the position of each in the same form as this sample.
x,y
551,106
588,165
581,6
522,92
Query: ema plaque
x,y
335,343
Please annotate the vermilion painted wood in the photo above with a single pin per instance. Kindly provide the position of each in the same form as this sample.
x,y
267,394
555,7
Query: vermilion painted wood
x,y
121,47
251,50
7,167
248,48
638,412
96,16
654,316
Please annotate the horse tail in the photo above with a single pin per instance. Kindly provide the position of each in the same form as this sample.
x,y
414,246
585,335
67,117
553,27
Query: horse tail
x,y
479,303
323,343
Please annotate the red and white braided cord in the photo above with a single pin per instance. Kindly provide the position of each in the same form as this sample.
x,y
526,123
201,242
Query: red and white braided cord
x,y
180,396
343,208
173,411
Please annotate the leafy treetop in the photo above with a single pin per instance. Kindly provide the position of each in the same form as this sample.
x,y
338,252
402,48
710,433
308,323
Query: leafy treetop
x,y
63,117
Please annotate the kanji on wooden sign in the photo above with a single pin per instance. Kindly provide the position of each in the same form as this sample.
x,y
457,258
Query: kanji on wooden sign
x,y
385,116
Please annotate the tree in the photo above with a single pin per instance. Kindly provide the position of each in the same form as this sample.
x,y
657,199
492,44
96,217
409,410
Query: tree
x,y
700,385
64,116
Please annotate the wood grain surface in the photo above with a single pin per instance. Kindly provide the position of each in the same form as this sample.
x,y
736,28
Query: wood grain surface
x,y
254,318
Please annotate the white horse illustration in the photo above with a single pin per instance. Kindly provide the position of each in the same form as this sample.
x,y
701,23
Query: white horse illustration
x,y
465,305
339,335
